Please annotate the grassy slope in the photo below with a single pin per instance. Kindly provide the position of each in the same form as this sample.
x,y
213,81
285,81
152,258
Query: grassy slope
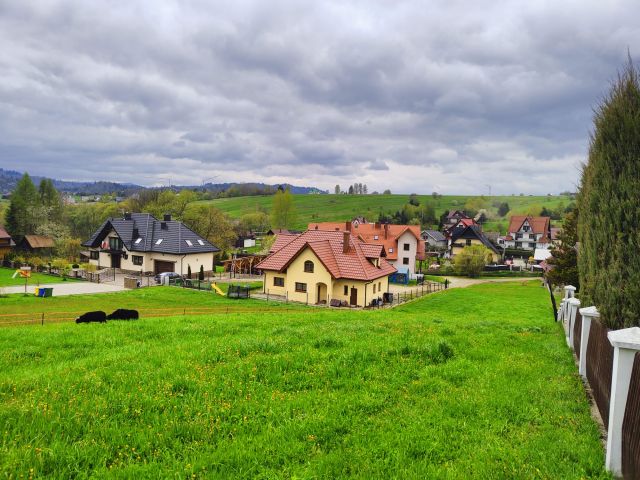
x,y
324,394
325,208
34,280
149,301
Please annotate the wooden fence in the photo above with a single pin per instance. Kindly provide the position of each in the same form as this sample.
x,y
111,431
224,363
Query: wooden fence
x,y
623,441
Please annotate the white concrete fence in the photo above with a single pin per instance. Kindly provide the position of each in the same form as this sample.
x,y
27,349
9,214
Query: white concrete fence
x,y
626,343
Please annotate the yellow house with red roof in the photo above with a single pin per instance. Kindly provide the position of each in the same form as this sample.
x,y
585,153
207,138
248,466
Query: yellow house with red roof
x,y
320,266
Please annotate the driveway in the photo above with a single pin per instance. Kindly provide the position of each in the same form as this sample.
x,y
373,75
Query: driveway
x,y
460,282
69,288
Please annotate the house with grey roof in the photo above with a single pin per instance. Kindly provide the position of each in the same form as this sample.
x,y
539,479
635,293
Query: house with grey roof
x,y
139,242
435,241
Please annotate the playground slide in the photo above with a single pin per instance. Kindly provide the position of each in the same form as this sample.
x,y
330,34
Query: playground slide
x,y
216,288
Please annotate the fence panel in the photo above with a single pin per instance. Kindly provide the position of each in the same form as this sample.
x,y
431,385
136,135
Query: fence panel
x,y
600,368
631,426
577,332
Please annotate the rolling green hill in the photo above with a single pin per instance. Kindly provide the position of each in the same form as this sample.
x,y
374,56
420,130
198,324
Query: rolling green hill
x,y
326,208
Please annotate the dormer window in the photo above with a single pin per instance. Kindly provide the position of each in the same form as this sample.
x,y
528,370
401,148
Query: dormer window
x,y
391,250
375,237
308,266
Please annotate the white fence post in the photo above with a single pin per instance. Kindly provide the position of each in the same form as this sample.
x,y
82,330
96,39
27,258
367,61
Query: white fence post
x,y
569,291
574,305
626,343
588,314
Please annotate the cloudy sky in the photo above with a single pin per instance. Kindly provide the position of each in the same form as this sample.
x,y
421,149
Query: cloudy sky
x,y
449,96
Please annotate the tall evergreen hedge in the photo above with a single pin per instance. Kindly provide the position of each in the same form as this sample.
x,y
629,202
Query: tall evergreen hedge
x,y
609,206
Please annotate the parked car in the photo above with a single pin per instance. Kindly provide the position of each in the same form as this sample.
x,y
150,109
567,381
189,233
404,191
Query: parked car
x,y
171,275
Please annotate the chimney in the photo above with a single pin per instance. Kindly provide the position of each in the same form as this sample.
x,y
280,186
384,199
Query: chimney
x,y
348,226
164,226
345,242
167,217
136,233
376,225
127,215
386,230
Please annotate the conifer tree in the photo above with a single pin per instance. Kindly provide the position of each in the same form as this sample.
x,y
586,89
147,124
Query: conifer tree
x,y
564,258
24,201
609,207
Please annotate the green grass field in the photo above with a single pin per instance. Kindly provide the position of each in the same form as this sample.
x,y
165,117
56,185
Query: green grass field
x,y
6,279
328,208
467,383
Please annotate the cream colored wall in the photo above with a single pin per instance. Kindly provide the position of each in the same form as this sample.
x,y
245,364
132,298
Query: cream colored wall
x,y
296,273
270,288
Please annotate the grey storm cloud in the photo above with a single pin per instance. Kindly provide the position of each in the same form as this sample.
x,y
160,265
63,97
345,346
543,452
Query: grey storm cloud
x,y
413,96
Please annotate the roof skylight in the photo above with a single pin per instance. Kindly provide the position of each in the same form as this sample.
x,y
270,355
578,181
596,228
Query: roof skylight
x,y
138,241
189,243
200,242
159,241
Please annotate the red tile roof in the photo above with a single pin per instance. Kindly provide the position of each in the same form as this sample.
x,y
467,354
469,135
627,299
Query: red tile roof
x,y
328,247
374,233
281,240
538,224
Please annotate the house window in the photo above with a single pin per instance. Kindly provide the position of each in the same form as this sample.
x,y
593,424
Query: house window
x,y
115,243
94,255
137,259
278,281
407,247
405,261
346,290
468,242
308,266
374,288
301,287
379,286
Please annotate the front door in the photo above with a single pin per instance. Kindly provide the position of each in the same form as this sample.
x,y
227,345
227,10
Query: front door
x,y
354,296
115,260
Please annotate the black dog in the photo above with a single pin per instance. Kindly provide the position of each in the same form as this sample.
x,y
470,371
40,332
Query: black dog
x,y
123,314
99,317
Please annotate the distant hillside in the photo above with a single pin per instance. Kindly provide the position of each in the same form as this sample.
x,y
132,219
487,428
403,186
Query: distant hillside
x,y
326,208
9,178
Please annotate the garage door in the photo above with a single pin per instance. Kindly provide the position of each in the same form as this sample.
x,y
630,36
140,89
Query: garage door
x,y
161,267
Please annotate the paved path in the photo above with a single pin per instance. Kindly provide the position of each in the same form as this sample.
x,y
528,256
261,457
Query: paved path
x,y
461,282
69,288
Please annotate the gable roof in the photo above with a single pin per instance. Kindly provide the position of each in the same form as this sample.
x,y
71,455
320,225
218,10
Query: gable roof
x,y
456,214
538,224
328,247
4,235
435,234
472,231
38,241
374,233
142,232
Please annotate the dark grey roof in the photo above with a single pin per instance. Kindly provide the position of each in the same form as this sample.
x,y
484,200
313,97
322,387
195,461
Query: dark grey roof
x,y
175,237
435,234
472,231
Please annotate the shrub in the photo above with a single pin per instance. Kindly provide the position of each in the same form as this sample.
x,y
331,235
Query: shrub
x,y
472,260
609,207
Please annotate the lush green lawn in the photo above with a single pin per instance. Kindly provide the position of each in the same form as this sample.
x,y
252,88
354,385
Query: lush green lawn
x,y
467,383
6,279
334,208
148,301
